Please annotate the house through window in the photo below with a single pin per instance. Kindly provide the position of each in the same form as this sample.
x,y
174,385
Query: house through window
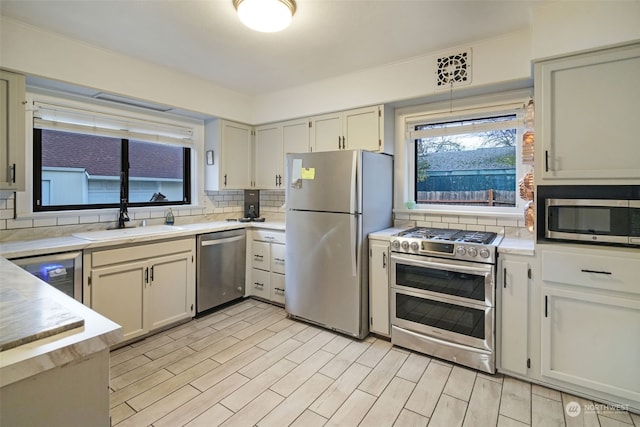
x,y
467,162
82,166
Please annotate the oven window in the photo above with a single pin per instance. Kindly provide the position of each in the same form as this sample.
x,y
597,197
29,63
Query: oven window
x,y
462,285
455,318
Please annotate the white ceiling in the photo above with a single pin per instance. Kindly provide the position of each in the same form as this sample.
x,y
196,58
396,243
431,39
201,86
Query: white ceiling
x,y
327,38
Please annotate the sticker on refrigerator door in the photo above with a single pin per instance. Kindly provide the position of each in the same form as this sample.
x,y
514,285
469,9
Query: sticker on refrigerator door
x,y
296,173
308,173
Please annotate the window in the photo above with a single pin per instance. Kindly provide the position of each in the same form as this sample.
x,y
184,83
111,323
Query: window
x,y
467,161
81,166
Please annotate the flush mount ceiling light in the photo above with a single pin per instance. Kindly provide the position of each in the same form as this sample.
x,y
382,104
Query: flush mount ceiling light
x,y
267,16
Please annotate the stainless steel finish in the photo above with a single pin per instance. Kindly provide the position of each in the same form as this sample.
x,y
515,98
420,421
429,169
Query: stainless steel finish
x,y
482,360
587,202
443,294
328,218
587,237
484,270
220,268
69,282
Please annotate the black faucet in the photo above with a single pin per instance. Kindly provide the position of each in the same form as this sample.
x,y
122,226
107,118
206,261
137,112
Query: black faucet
x,y
124,215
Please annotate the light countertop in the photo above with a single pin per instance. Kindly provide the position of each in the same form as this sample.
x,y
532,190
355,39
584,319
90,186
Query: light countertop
x,y
29,248
97,333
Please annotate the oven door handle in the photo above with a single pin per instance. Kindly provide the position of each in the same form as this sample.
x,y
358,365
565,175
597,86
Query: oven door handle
x,y
483,270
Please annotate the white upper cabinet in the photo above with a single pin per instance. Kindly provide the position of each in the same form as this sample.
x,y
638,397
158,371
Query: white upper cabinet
x,y
587,123
361,128
269,157
12,131
231,144
326,132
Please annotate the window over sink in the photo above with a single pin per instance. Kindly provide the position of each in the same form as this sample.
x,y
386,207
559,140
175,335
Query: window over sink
x,y
90,160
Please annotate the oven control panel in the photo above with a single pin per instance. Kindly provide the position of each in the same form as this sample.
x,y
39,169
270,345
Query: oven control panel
x,y
462,251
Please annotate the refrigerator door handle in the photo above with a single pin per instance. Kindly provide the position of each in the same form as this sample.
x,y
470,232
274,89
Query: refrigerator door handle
x,y
354,169
354,242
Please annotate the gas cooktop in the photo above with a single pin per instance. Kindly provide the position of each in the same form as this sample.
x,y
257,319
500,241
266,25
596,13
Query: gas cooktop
x,y
479,246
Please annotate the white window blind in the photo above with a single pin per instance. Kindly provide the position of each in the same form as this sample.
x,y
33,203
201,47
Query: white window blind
x,y
70,119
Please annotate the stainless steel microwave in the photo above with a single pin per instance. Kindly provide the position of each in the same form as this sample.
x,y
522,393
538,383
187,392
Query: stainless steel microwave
x,y
571,215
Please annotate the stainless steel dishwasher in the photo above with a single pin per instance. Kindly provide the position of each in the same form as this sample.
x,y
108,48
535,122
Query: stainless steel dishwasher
x,y
221,268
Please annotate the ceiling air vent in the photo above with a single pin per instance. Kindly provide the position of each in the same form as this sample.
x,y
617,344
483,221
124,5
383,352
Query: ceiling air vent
x,y
453,70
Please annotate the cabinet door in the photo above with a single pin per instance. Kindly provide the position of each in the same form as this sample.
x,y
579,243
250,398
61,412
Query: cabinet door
x,y
592,340
295,139
379,288
588,124
119,294
277,288
261,255
326,132
362,129
236,156
260,284
269,168
277,258
170,295
513,288
12,131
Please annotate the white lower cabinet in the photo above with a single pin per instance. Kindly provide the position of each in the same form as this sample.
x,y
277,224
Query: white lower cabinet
x,y
590,339
142,287
267,279
512,321
379,321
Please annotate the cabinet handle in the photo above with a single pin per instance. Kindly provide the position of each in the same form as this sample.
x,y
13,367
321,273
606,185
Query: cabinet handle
x,y
152,273
146,275
258,257
279,260
384,260
546,160
225,179
13,173
280,180
504,277
259,284
339,138
597,272
276,180
279,289
546,306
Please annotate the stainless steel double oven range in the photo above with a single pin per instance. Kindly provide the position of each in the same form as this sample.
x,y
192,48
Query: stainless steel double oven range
x,y
443,294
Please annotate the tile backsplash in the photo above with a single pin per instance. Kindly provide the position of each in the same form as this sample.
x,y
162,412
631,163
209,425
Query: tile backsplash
x,y
214,206
507,226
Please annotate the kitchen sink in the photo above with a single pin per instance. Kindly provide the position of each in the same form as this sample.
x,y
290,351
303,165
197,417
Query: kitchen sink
x,y
119,233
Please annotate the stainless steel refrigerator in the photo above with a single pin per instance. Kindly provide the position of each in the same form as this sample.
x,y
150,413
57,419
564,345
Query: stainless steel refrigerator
x,y
334,200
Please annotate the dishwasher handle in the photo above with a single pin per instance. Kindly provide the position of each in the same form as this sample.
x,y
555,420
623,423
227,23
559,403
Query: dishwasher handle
x,y
221,241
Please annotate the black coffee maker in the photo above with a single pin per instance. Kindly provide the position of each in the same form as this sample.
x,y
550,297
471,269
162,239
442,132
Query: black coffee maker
x,y
252,205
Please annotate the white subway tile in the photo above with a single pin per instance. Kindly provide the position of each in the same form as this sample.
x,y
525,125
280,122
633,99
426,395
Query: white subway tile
x,y
19,223
68,220
468,219
89,219
45,222
487,221
450,219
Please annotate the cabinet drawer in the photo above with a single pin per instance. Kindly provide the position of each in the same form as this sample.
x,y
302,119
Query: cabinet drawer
x,y
118,255
277,258
261,257
269,236
277,288
260,284
601,269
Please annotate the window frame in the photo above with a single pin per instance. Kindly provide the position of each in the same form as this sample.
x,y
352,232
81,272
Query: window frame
x,y
462,107
37,205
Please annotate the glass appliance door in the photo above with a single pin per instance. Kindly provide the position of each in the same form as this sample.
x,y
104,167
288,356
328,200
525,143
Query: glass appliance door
x,y
62,271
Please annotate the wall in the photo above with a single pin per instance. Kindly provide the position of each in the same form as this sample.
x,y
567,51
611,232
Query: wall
x,y
565,27
37,52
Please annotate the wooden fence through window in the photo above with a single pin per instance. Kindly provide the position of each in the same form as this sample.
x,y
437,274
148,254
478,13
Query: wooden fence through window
x,y
479,198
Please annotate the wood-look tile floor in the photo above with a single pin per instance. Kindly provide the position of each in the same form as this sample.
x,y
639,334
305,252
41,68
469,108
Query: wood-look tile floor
x,y
248,364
